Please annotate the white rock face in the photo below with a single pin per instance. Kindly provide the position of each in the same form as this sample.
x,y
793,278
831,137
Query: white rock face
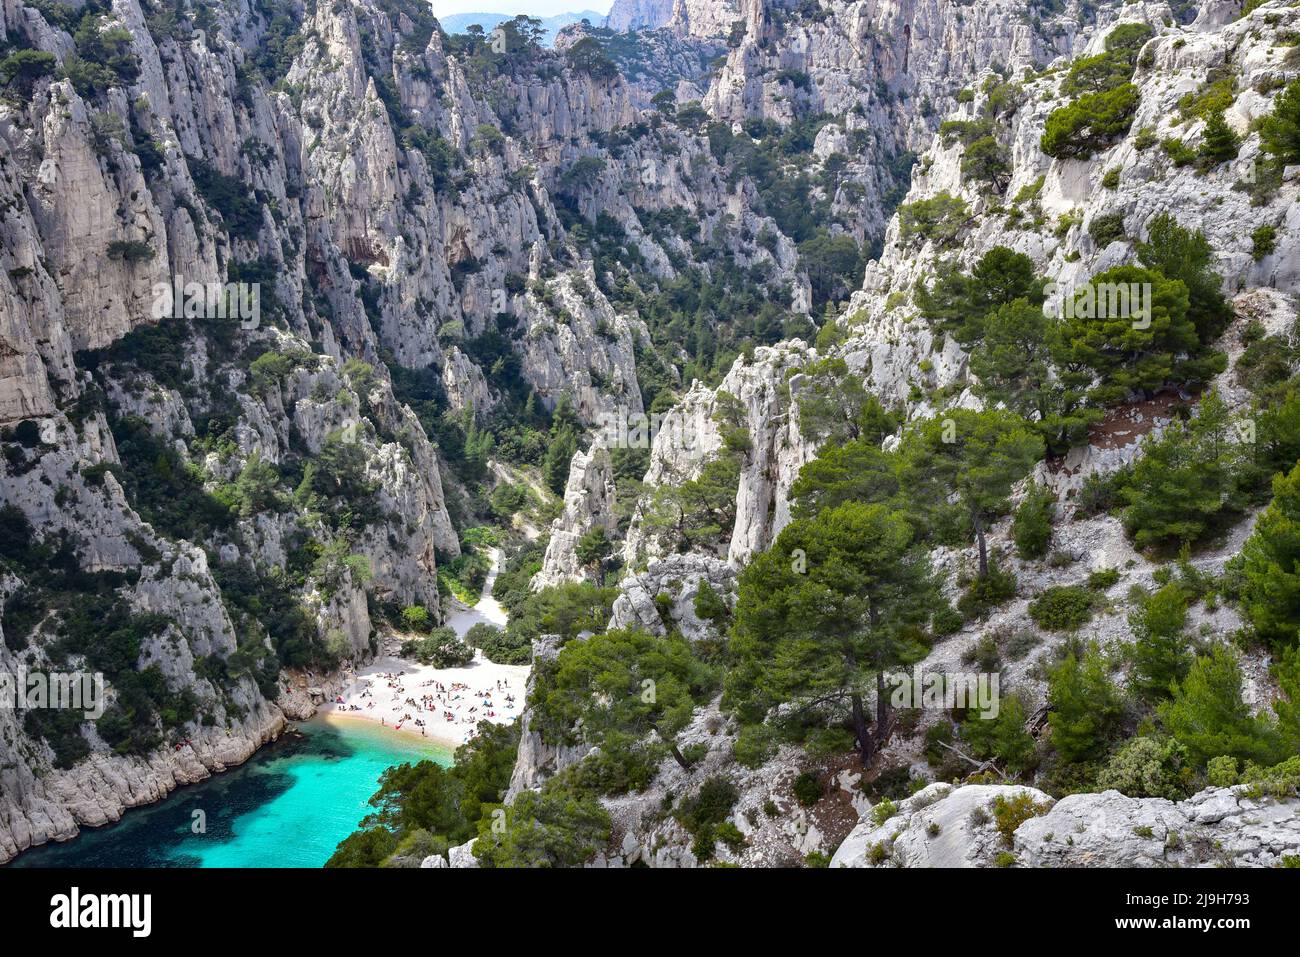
x,y
1217,827
1176,62
679,577
589,501
589,357
462,855
889,68
639,14
939,826
689,435
946,826
466,387
705,18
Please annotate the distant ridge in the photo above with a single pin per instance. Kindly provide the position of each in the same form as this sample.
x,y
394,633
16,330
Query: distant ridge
x,y
457,22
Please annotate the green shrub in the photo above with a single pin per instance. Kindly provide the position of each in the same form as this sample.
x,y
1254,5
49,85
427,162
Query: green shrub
x,y
1159,652
130,250
695,753
1085,709
828,742
1263,241
1185,487
1214,97
417,618
753,746
228,195
442,649
1279,132
941,219
500,647
1270,567
1100,493
1010,813
549,828
1106,228
1031,529
1062,608
1003,737
1221,772
1179,153
946,620
1281,780
983,653
883,811
731,836
1091,123
987,592
709,806
1209,716
1148,767
807,788
27,433
24,67
709,605
1103,579
1219,144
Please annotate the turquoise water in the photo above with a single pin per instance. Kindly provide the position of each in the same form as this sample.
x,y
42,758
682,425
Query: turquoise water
x,y
287,806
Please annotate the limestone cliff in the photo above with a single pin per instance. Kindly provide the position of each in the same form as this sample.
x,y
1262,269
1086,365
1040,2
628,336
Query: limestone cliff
x,y
1052,210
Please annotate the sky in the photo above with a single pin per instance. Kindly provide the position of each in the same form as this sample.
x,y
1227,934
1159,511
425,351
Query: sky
x,y
537,8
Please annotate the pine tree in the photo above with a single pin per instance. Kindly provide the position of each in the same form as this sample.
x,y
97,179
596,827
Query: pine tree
x,y
985,160
1130,353
856,471
1184,485
1003,737
594,550
820,616
1271,566
1279,132
1013,363
699,512
1032,528
960,303
620,687
1160,657
1178,253
555,466
1209,717
1084,707
979,455
1287,707
1220,143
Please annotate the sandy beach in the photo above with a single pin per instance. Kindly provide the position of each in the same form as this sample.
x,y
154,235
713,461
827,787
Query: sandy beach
x,y
442,704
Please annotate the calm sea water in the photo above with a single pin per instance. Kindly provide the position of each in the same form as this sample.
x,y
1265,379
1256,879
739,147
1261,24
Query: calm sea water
x,y
287,806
